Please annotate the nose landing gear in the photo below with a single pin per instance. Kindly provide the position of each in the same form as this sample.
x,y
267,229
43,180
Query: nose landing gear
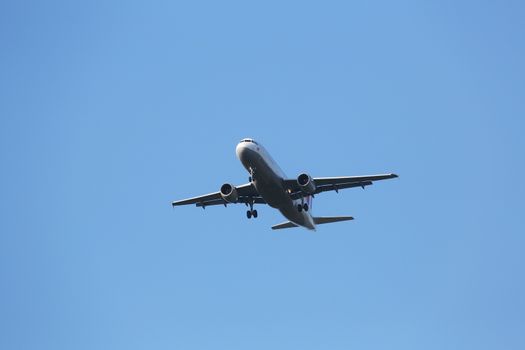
x,y
251,178
251,213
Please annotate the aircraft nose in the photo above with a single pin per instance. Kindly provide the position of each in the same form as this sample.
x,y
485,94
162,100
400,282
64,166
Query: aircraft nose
x,y
244,152
240,150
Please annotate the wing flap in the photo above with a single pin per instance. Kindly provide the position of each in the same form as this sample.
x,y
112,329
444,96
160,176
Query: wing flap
x,y
200,199
245,200
298,194
215,198
324,184
319,181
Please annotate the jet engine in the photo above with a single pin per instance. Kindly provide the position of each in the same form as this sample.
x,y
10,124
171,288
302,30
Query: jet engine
x,y
306,183
229,193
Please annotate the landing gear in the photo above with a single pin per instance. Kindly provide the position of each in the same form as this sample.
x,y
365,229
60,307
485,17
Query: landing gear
x,y
251,178
301,207
251,213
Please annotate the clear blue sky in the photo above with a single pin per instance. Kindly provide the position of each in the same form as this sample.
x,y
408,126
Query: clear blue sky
x,y
111,110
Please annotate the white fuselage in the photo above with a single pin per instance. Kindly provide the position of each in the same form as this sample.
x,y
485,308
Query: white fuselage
x,y
267,177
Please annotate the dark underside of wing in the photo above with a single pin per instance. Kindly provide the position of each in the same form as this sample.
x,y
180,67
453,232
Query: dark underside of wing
x,y
323,184
247,194
244,200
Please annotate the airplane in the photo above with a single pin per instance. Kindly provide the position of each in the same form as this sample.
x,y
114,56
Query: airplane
x,y
269,185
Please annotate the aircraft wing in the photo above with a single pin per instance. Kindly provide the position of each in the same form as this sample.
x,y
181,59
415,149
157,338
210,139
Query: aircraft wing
x,y
323,184
247,192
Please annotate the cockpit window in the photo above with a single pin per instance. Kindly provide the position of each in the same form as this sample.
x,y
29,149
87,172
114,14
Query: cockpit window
x,y
249,140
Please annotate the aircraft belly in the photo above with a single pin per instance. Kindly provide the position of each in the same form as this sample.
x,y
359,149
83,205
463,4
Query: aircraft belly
x,y
303,218
270,186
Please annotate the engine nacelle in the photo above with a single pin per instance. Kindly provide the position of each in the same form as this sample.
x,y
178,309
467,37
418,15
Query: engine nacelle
x,y
229,193
306,183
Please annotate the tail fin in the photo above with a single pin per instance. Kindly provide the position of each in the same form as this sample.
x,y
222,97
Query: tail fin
x,y
318,221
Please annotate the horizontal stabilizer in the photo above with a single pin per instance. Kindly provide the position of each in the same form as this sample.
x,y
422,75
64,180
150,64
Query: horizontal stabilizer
x,y
329,219
318,221
287,224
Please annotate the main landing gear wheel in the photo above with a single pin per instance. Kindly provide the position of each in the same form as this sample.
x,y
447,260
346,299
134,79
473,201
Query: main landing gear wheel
x,y
251,213
305,206
254,213
299,208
